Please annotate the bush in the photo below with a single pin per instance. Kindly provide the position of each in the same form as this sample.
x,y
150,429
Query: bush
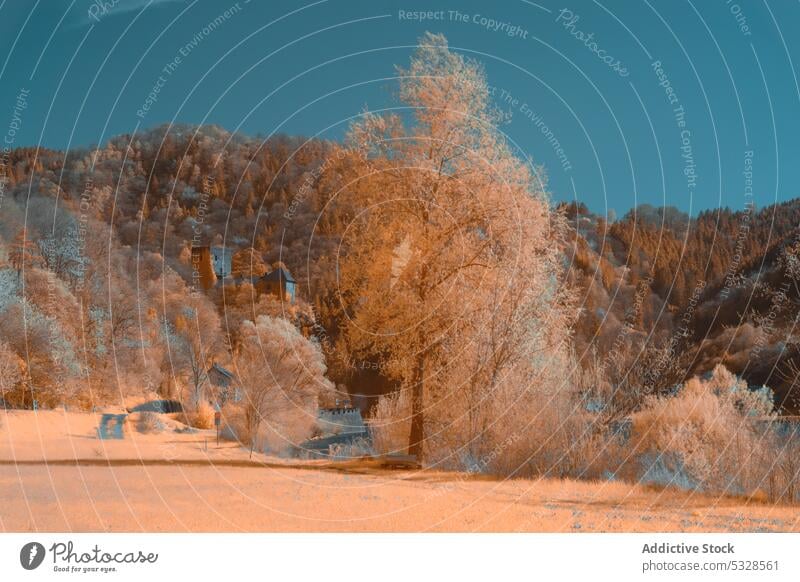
x,y
284,432
390,423
544,430
234,425
279,434
149,422
355,449
714,435
781,466
201,417
707,437
530,423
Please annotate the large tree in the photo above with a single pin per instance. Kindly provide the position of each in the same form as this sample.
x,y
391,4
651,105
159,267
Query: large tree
x,y
455,234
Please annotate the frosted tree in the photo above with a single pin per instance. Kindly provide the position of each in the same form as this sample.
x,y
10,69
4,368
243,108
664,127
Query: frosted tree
x,y
47,343
514,364
23,252
61,254
247,262
191,333
454,226
282,377
11,370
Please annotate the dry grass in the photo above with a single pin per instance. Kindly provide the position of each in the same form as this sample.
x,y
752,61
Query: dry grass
x,y
226,498
184,482
202,417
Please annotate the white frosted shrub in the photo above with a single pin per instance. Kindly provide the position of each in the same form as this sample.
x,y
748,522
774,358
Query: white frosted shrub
x,y
707,437
286,430
390,423
542,429
533,422
149,422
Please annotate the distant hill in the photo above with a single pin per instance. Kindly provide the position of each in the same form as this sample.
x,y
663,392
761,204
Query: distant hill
x,y
662,295
718,288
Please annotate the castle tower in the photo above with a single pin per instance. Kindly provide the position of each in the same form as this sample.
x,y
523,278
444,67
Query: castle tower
x,y
203,268
221,259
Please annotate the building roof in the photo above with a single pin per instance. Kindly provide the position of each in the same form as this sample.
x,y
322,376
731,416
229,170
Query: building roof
x,y
217,368
220,249
278,275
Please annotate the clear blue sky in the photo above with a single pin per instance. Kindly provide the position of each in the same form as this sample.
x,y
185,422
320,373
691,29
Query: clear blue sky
x,y
306,67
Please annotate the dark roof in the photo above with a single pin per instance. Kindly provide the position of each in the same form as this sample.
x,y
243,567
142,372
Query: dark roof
x,y
279,274
162,406
221,370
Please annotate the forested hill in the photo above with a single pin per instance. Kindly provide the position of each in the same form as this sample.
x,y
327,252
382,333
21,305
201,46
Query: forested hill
x,y
721,287
657,288
163,188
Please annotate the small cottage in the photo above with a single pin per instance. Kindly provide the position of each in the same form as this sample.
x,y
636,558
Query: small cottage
x,y
278,282
224,383
210,264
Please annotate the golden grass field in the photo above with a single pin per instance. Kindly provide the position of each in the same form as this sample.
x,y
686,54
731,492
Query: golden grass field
x,y
56,476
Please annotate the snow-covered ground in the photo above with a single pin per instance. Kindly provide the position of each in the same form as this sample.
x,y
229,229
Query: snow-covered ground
x,y
55,475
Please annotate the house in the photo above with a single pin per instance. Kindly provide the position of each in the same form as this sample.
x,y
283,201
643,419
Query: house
x,y
221,257
212,267
210,264
225,385
278,282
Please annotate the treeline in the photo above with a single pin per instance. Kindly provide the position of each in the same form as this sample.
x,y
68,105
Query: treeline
x,y
171,187
705,290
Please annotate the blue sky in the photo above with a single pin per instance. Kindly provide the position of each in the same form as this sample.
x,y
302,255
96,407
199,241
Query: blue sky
x,y
306,67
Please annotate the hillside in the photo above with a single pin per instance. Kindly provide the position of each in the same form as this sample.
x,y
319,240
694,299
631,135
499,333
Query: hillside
x,y
681,294
656,288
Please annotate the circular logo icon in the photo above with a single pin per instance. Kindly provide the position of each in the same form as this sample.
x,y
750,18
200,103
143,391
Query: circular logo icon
x,y
31,555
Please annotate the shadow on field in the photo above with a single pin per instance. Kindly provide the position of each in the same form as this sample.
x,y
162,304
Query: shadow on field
x,y
364,466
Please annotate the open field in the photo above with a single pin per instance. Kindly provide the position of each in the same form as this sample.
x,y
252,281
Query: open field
x,y
55,476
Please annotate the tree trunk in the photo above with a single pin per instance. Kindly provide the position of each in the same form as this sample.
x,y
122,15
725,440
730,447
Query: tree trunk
x,y
416,437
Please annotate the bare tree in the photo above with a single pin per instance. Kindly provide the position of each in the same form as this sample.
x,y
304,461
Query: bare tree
x,y
11,370
192,335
